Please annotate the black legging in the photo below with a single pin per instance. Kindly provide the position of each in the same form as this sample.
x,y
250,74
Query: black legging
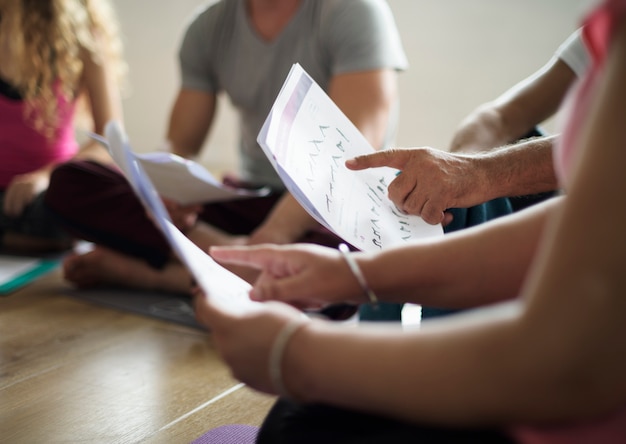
x,y
291,423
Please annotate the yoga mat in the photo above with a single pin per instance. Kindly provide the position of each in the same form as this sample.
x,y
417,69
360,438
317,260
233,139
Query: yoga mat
x,y
171,307
229,434
18,271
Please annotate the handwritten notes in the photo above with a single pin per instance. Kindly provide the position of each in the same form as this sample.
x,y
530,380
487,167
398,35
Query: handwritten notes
x,y
308,139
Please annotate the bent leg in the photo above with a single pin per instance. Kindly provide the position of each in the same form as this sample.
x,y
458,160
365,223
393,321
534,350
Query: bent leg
x,y
94,202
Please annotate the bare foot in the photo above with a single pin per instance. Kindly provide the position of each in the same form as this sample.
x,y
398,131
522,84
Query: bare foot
x,y
102,266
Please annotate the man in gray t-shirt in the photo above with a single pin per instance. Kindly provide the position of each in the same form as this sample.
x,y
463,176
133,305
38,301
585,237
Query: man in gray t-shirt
x,y
225,50
245,49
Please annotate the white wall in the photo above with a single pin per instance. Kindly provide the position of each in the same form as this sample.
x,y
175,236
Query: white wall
x,y
462,52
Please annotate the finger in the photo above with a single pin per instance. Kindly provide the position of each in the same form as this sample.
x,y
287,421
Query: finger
x,y
400,189
432,212
447,218
256,256
414,203
394,158
290,289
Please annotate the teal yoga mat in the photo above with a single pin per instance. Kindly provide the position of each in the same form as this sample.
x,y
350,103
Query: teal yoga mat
x,y
24,271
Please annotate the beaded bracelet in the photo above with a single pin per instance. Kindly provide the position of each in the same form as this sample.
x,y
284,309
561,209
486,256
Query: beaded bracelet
x,y
358,274
277,352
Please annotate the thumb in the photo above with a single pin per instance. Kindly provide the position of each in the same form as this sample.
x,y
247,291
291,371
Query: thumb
x,y
206,313
394,158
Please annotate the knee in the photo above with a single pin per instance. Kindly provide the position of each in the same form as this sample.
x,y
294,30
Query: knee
x,y
63,181
75,183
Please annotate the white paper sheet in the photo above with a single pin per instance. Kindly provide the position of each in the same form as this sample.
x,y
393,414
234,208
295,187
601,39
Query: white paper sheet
x,y
12,267
223,288
186,181
18,271
308,139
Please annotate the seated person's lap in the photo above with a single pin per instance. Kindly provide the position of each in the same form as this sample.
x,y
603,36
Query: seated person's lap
x,y
289,422
97,204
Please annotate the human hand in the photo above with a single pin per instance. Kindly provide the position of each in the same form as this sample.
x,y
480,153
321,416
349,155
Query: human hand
x,y
183,216
481,130
23,189
305,276
245,339
431,181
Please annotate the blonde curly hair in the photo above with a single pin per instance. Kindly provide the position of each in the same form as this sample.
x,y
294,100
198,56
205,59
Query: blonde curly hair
x,y
46,41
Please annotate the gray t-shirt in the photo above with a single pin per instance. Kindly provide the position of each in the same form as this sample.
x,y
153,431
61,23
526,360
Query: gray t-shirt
x,y
222,52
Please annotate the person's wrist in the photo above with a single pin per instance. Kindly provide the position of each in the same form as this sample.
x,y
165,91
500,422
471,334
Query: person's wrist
x,y
484,176
357,273
279,354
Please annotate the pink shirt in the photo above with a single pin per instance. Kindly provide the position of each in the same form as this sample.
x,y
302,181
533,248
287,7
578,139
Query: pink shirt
x,y
598,32
23,149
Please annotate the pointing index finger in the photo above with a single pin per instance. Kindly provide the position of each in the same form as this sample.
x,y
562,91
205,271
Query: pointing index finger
x,y
394,158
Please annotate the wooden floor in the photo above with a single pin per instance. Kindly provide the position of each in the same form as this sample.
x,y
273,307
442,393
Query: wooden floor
x,y
74,372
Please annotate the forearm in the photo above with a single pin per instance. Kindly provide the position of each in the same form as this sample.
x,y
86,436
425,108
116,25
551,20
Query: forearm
x,y
482,368
516,170
473,267
534,99
287,222
190,120
94,151
492,125
517,111
417,376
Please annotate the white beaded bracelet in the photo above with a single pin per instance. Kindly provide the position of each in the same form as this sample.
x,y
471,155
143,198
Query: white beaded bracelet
x,y
276,355
358,274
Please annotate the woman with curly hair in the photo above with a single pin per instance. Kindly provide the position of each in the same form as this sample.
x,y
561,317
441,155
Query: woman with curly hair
x,y
61,64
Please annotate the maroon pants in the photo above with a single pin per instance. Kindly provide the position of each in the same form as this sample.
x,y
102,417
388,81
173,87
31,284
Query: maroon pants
x,y
96,203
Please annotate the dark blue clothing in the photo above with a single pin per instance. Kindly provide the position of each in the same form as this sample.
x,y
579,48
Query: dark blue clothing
x,y
463,218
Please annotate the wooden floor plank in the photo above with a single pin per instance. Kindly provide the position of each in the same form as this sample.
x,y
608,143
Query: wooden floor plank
x,y
71,371
243,406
